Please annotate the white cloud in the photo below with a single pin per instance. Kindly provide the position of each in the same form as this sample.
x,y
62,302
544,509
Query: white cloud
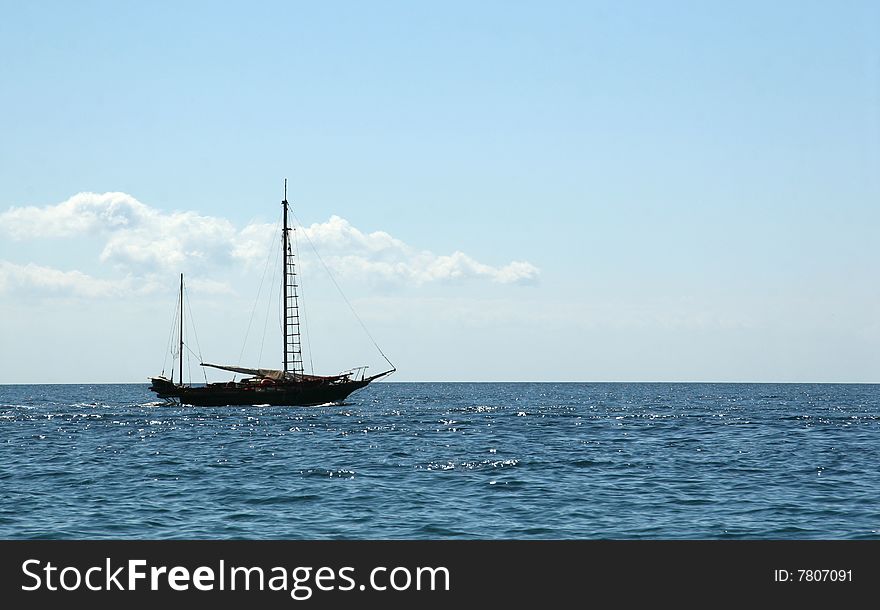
x,y
338,235
136,237
140,240
169,241
254,242
379,254
82,213
32,278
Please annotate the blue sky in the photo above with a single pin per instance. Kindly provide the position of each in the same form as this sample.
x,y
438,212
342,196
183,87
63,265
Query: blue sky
x,y
574,191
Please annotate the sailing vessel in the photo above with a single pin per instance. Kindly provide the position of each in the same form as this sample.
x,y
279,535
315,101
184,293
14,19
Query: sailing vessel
x,y
287,386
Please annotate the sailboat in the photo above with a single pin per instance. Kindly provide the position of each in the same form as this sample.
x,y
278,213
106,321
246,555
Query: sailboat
x,y
287,386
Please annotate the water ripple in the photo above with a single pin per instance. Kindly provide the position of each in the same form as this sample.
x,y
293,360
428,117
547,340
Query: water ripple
x,y
446,460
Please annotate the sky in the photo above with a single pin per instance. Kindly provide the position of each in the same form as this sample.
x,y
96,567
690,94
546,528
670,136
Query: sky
x,y
502,191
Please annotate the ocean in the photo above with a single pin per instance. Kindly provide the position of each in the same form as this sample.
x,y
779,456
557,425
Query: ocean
x,y
446,461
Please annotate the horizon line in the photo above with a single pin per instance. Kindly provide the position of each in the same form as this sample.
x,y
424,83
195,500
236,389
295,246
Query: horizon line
x,y
10,383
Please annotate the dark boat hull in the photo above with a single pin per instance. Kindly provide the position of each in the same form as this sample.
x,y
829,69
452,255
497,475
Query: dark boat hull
x,y
281,394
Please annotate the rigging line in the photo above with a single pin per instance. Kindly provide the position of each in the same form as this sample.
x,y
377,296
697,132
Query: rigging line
x,y
268,307
192,325
260,289
188,367
305,325
285,257
333,279
169,349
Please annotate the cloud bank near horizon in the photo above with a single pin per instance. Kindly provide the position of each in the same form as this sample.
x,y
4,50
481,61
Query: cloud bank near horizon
x,y
141,241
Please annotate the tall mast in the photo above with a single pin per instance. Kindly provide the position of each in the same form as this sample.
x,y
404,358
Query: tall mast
x,y
284,269
181,329
293,362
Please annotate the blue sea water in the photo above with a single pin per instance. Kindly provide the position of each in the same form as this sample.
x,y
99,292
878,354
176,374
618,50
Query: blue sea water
x,y
447,460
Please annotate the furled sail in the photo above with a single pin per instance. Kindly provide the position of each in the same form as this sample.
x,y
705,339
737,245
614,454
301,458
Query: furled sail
x,y
273,374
